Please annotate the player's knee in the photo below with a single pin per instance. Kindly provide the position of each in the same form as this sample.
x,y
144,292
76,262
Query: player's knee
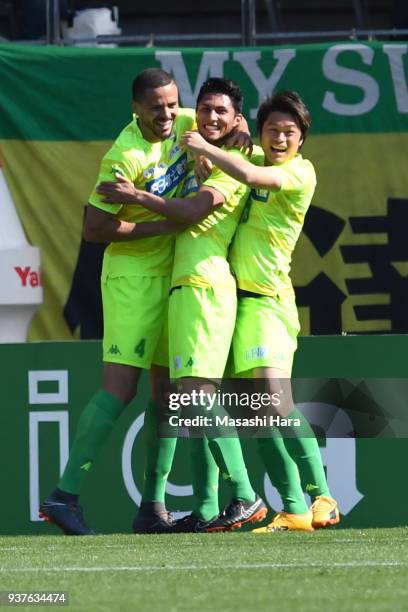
x,y
121,381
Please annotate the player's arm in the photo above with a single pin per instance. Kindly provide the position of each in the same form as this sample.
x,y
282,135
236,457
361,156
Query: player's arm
x,y
183,210
266,177
101,226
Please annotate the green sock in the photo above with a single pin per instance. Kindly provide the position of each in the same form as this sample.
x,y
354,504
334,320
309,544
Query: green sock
x,y
225,447
94,426
303,447
205,475
227,453
159,456
283,472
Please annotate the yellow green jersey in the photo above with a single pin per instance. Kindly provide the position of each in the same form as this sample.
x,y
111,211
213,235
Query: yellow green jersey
x,y
201,251
157,167
262,250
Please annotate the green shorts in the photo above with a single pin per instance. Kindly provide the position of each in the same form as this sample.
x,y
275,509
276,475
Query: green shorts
x,y
135,320
265,334
201,324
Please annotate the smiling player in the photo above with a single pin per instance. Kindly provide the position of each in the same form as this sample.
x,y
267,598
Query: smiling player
x,y
135,283
203,301
265,336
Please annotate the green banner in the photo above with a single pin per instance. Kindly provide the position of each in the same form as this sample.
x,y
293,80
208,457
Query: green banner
x,y
61,107
53,93
46,385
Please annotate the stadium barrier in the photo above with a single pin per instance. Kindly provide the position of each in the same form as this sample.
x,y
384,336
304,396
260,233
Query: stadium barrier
x,y
46,385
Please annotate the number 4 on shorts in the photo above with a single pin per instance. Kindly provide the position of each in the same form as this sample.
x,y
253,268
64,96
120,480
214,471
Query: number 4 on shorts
x,y
140,348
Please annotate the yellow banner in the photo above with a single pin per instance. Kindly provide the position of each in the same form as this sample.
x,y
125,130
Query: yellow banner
x,y
350,266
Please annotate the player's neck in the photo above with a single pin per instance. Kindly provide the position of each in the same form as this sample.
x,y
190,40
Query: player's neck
x,y
147,133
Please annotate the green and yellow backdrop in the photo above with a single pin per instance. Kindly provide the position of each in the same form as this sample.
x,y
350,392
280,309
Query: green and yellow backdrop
x,y
60,108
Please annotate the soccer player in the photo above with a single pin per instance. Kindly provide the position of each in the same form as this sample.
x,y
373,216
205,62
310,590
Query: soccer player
x,y
202,303
267,324
135,284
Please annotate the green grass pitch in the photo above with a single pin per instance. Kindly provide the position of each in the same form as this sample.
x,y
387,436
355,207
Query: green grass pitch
x,y
336,569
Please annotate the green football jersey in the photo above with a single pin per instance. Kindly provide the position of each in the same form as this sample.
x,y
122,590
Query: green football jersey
x,y
201,250
157,167
262,250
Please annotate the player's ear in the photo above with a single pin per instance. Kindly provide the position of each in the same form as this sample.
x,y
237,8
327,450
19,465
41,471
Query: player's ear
x,y
238,119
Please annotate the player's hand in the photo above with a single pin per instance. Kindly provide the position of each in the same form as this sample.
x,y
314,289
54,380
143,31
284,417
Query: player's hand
x,y
122,191
241,141
202,168
195,142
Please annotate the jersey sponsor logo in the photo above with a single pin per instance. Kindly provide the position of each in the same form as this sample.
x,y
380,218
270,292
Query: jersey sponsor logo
x,y
155,171
149,172
190,186
114,350
260,195
257,352
170,179
174,151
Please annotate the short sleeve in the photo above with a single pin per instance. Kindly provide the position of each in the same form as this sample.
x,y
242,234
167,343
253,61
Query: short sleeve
x,y
223,183
297,177
113,162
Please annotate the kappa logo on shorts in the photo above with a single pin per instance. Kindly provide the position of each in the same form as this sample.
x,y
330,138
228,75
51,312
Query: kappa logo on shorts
x,y
114,350
178,362
257,352
190,362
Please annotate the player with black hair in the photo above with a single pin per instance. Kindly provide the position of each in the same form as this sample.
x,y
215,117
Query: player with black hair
x,y
135,285
202,303
265,337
